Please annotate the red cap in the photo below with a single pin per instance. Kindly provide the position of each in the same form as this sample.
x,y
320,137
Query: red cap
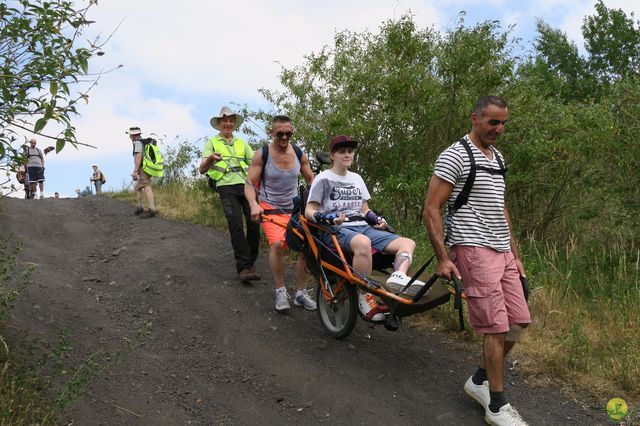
x,y
341,140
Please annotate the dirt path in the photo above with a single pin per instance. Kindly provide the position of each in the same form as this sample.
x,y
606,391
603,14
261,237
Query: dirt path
x,y
218,353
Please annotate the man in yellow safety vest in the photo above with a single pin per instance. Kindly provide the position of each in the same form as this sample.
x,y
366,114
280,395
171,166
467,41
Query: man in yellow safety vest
x,y
226,159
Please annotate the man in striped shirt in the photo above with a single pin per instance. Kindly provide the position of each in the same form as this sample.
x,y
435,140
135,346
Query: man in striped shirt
x,y
483,252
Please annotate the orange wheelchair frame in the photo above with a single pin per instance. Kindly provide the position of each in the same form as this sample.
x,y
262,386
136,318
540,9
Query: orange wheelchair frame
x,y
336,292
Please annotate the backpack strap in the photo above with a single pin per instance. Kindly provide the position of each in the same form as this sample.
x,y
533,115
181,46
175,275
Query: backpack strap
x,y
463,196
298,152
265,157
37,154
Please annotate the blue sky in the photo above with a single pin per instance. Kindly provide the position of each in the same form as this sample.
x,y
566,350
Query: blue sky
x,y
182,61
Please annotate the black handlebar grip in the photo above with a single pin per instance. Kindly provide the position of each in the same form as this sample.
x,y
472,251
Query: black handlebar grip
x,y
525,287
457,285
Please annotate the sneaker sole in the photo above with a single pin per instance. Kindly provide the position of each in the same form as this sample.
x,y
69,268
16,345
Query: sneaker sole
x,y
302,305
476,399
281,310
411,291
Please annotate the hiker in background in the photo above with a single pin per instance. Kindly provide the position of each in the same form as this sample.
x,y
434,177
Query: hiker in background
x,y
84,193
35,168
56,195
142,179
96,178
483,251
274,170
23,178
226,159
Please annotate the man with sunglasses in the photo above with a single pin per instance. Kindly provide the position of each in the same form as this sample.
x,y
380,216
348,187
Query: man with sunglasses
x,y
483,251
274,172
226,160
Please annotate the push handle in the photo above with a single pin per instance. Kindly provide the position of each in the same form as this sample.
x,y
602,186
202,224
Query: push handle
x,y
457,301
525,287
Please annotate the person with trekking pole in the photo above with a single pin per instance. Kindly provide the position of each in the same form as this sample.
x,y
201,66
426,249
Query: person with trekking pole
x,y
96,179
469,179
273,175
226,159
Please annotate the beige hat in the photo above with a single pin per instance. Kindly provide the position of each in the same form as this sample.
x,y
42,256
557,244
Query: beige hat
x,y
134,131
225,112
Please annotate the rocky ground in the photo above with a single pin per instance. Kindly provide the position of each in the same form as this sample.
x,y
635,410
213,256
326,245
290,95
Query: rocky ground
x,y
216,351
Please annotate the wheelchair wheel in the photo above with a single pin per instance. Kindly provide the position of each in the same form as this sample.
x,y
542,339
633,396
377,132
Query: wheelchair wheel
x,y
338,315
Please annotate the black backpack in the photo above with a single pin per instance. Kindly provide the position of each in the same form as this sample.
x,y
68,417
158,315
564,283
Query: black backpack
x,y
463,196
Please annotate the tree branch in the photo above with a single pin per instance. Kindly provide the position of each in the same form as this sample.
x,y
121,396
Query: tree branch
x,y
53,137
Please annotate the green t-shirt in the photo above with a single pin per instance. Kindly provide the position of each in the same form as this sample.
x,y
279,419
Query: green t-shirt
x,y
230,178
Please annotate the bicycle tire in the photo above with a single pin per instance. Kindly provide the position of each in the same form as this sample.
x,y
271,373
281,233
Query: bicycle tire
x,y
338,316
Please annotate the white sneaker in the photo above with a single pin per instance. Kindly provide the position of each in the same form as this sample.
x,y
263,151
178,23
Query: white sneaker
x,y
507,416
282,299
370,309
303,299
41,196
398,280
478,392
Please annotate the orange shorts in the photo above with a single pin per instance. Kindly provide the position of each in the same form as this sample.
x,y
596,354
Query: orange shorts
x,y
274,225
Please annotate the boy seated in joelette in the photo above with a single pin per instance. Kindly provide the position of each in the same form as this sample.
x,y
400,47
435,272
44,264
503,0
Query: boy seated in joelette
x,y
339,197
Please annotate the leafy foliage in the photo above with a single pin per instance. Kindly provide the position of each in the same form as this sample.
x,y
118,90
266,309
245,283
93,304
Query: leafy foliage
x,y
41,59
406,93
181,162
613,42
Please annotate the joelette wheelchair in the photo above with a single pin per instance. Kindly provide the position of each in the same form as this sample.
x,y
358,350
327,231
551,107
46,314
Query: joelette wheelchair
x,y
338,283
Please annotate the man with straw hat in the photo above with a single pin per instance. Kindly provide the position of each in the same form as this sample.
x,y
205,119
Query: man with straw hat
x,y
226,159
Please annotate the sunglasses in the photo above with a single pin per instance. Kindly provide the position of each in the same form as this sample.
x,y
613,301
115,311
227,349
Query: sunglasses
x,y
281,135
496,122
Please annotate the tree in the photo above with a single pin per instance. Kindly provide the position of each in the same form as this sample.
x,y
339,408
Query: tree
x,y
558,65
41,59
404,92
613,42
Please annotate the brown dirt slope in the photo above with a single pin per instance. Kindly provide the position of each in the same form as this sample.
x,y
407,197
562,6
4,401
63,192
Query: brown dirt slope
x,y
217,352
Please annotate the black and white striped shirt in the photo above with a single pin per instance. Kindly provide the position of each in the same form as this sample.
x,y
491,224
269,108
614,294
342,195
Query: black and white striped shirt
x,y
480,222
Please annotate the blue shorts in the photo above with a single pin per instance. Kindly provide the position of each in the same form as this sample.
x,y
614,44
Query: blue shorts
x,y
36,174
379,239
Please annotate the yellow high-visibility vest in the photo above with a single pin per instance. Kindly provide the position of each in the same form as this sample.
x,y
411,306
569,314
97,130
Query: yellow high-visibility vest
x,y
217,170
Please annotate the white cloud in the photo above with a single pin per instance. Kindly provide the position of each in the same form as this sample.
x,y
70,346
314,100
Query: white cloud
x,y
233,47
174,57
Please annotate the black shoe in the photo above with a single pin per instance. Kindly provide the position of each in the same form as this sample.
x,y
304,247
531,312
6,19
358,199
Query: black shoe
x,y
254,275
245,276
138,211
152,213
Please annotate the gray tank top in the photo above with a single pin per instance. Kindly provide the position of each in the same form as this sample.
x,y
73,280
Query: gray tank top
x,y
280,186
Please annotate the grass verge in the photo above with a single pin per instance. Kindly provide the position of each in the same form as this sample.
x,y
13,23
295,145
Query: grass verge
x,y
36,393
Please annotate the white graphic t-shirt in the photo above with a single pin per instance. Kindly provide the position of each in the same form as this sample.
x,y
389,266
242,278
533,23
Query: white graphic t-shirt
x,y
340,194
